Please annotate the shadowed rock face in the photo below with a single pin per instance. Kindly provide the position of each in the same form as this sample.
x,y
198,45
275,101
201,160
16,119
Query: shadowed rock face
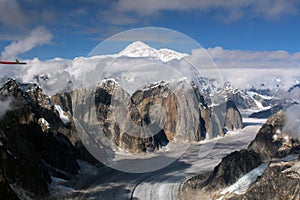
x,y
270,141
231,168
31,151
225,117
279,181
233,118
66,101
21,161
5,189
242,101
283,105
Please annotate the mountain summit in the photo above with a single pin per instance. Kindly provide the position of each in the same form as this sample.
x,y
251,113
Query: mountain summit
x,y
139,49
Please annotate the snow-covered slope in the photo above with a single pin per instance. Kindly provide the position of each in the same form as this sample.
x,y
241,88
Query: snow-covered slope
x,y
139,49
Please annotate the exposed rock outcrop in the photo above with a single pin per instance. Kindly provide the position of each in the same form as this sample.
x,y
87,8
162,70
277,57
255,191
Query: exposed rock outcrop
x,y
279,181
174,110
239,97
30,152
5,190
233,118
121,120
67,102
270,141
231,168
280,178
273,110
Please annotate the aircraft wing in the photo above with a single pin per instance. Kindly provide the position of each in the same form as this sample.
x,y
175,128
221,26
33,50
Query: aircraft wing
x,y
17,62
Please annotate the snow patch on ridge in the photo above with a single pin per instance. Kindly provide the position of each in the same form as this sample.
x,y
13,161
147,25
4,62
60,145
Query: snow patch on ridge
x,y
64,118
57,187
242,185
45,122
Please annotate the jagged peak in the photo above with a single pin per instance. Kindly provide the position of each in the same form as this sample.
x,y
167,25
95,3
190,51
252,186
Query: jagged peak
x,y
10,82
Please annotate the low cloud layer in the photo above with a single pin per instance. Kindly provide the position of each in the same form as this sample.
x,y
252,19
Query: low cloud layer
x,y
292,126
253,59
242,68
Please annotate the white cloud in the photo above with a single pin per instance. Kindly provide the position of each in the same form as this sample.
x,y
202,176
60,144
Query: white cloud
x,y
296,56
245,68
36,37
11,14
226,10
253,59
274,9
241,68
292,126
247,77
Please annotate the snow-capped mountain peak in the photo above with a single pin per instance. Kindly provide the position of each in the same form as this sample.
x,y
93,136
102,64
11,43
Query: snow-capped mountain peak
x,y
136,46
139,49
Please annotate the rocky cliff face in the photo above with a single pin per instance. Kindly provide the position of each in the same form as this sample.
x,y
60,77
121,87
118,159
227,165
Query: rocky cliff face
x,y
5,189
67,101
239,97
32,147
283,105
154,115
270,141
280,180
231,168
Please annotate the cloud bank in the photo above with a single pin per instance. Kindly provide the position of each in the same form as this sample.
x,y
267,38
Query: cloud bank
x,y
242,68
253,59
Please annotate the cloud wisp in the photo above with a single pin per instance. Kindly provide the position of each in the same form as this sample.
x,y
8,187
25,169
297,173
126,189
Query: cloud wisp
x,y
38,36
5,105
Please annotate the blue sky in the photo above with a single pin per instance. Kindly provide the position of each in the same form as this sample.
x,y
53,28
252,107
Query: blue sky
x,y
71,28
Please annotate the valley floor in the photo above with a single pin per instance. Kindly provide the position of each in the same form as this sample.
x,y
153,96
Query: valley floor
x,y
164,183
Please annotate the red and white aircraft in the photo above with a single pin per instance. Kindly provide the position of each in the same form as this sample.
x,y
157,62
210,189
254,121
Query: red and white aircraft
x,y
17,62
